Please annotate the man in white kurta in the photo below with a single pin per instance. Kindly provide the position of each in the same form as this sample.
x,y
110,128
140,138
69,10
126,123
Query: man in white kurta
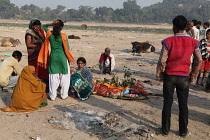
x,y
196,32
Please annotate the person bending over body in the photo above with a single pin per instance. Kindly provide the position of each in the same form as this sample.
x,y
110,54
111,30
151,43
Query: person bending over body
x,y
10,71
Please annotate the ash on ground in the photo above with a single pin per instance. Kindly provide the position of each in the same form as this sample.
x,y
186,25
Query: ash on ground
x,y
104,125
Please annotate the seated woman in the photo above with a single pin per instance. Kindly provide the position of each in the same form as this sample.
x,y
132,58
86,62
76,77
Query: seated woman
x,y
81,80
28,93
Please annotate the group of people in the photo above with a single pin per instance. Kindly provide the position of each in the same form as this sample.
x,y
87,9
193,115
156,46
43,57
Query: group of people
x,y
181,61
47,71
205,53
193,29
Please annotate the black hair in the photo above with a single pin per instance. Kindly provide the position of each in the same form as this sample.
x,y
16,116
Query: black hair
x,y
195,22
198,22
17,54
81,59
56,28
180,22
37,22
206,23
208,31
107,49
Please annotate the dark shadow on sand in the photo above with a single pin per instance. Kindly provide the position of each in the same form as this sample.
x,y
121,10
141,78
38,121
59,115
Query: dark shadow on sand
x,y
192,101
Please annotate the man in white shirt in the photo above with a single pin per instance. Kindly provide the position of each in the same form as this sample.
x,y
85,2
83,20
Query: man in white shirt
x,y
206,27
10,71
196,31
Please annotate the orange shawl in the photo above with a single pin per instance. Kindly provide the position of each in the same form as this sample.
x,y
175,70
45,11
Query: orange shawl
x,y
44,51
28,92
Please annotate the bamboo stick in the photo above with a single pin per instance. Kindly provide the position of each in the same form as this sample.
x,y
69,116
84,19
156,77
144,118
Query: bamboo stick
x,y
43,110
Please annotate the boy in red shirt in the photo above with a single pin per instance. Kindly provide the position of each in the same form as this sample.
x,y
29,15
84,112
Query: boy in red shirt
x,y
174,65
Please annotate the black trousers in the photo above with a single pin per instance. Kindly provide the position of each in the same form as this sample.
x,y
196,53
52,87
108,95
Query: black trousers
x,y
181,83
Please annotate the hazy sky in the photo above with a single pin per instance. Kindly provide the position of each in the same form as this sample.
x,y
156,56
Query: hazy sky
x,y
74,4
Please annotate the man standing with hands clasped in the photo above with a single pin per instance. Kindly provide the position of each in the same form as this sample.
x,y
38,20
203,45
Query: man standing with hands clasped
x,y
174,67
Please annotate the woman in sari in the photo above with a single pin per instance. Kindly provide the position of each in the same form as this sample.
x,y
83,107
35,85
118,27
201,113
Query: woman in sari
x,y
28,93
81,80
58,61
34,39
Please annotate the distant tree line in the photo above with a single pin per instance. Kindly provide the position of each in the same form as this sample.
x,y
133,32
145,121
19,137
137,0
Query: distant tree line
x,y
131,12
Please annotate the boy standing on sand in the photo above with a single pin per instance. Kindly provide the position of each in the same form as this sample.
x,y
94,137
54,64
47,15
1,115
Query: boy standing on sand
x,y
175,63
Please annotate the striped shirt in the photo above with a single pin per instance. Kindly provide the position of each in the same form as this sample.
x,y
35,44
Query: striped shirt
x,y
205,49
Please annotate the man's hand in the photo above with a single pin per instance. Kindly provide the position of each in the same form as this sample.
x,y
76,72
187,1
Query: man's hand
x,y
193,81
159,77
73,70
72,63
55,22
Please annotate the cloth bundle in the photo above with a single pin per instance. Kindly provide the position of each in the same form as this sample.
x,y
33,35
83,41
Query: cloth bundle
x,y
133,92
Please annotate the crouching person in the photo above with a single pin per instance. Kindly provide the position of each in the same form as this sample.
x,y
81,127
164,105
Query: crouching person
x,y
81,80
10,71
28,93
107,62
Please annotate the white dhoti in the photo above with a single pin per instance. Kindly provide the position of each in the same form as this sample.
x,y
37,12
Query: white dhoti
x,y
59,79
12,82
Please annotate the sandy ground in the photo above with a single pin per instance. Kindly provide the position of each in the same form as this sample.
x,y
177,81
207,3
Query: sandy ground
x,y
129,113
